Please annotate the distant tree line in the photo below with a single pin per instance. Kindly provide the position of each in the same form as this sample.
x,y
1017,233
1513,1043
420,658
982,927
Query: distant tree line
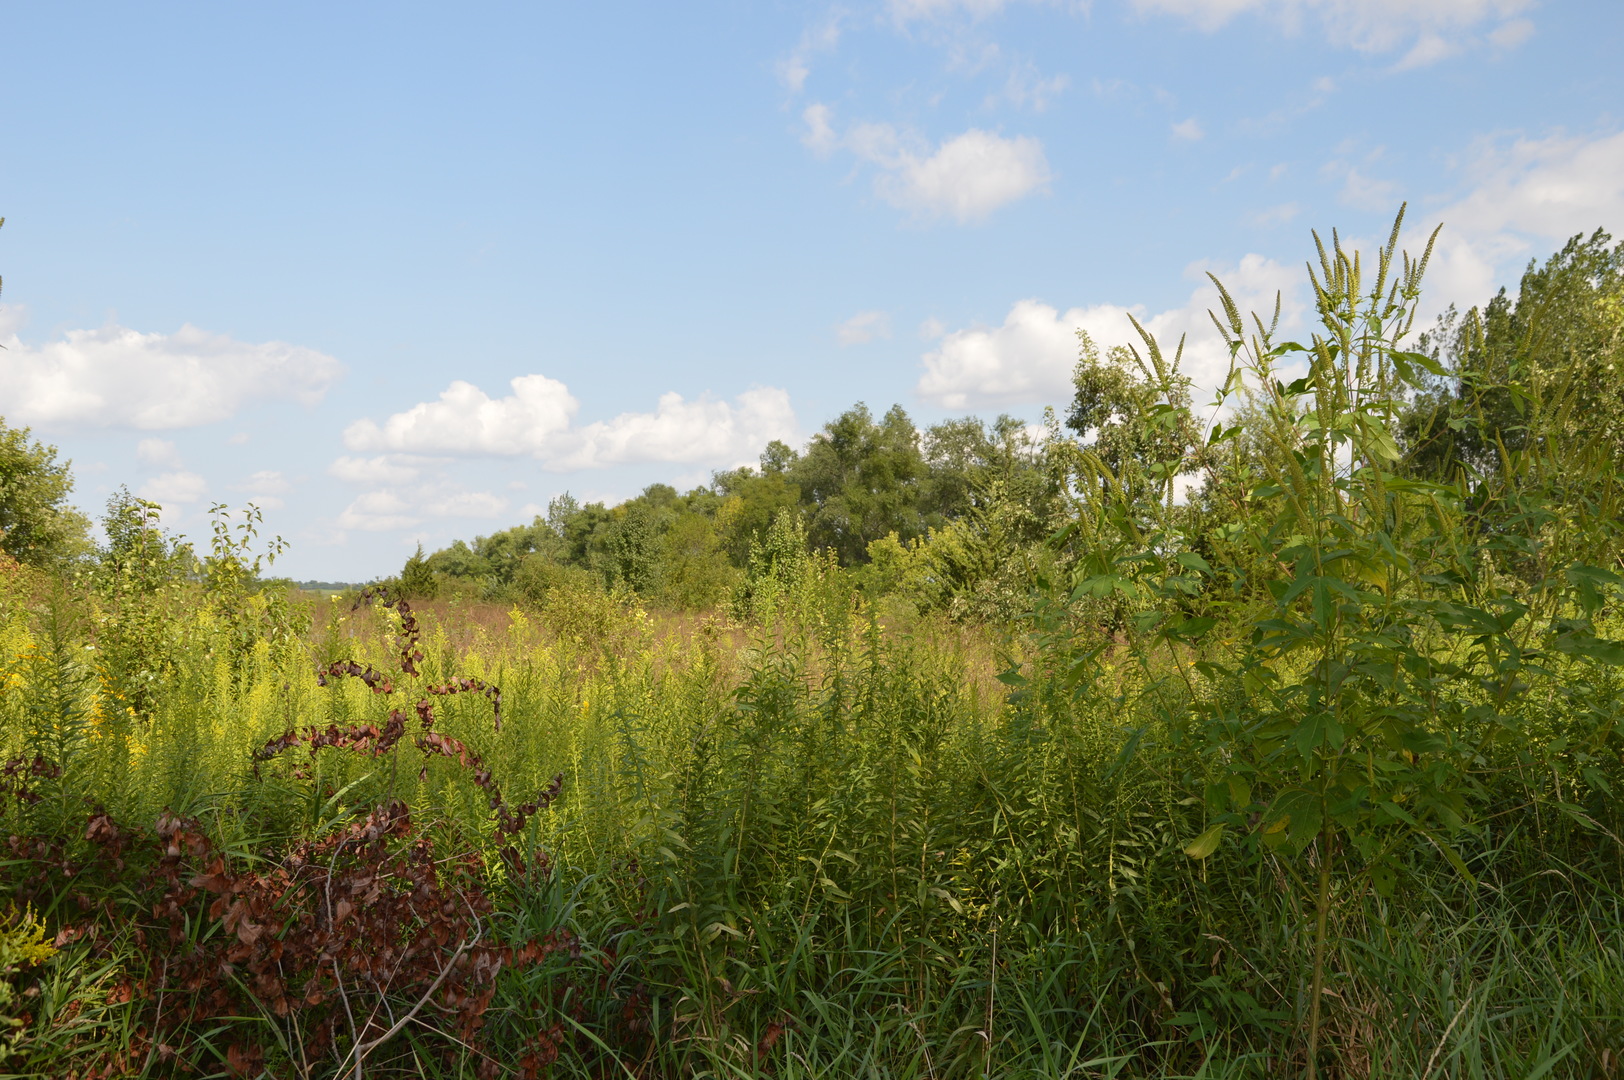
x,y
861,481
963,515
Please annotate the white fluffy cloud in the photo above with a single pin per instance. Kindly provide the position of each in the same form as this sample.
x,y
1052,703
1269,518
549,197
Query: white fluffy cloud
x,y
159,452
174,488
465,420
793,69
1026,87
390,509
383,469
965,177
1189,130
1429,29
378,511
118,377
1360,190
1549,187
863,327
414,478
690,432
1029,359
536,420
1527,196
265,489
1273,216
968,177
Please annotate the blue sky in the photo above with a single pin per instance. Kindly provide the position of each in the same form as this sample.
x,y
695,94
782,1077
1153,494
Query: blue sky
x,y
402,273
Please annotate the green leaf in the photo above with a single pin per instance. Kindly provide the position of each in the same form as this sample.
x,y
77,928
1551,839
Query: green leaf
x,y
832,888
1589,581
1206,843
1422,360
1314,732
1384,879
1191,629
1595,574
1012,677
1191,561
1083,666
1398,813
1423,742
1293,819
1454,860
1577,643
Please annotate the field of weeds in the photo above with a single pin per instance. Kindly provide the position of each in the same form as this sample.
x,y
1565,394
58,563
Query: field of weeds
x,y
1329,787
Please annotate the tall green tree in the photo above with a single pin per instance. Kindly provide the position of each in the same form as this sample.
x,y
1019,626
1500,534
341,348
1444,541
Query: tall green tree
x,y
1556,345
37,525
862,478
751,500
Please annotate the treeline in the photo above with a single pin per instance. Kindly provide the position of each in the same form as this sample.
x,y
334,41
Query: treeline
x,y
869,494
963,515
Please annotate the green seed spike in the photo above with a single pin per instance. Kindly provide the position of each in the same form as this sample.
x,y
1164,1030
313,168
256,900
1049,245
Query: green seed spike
x,y
1150,344
1231,311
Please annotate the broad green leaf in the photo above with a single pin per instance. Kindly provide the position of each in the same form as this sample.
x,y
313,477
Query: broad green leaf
x,y
1312,733
1589,581
1422,360
1206,843
1454,859
1398,813
1192,629
1191,561
1591,646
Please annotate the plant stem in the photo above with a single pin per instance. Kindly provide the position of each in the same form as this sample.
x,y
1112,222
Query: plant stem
x,y
1322,908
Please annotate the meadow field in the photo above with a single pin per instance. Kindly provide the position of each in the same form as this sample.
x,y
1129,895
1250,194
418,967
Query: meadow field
x,y
1313,771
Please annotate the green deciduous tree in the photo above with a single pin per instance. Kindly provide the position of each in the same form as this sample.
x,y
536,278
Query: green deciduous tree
x,y
1558,342
862,479
37,525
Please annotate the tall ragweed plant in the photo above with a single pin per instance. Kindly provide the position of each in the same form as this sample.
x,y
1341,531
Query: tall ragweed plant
x,y
1344,732
1347,705
1347,725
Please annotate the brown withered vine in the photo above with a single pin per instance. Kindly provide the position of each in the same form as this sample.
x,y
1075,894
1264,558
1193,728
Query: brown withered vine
x,y
374,741
16,773
338,944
